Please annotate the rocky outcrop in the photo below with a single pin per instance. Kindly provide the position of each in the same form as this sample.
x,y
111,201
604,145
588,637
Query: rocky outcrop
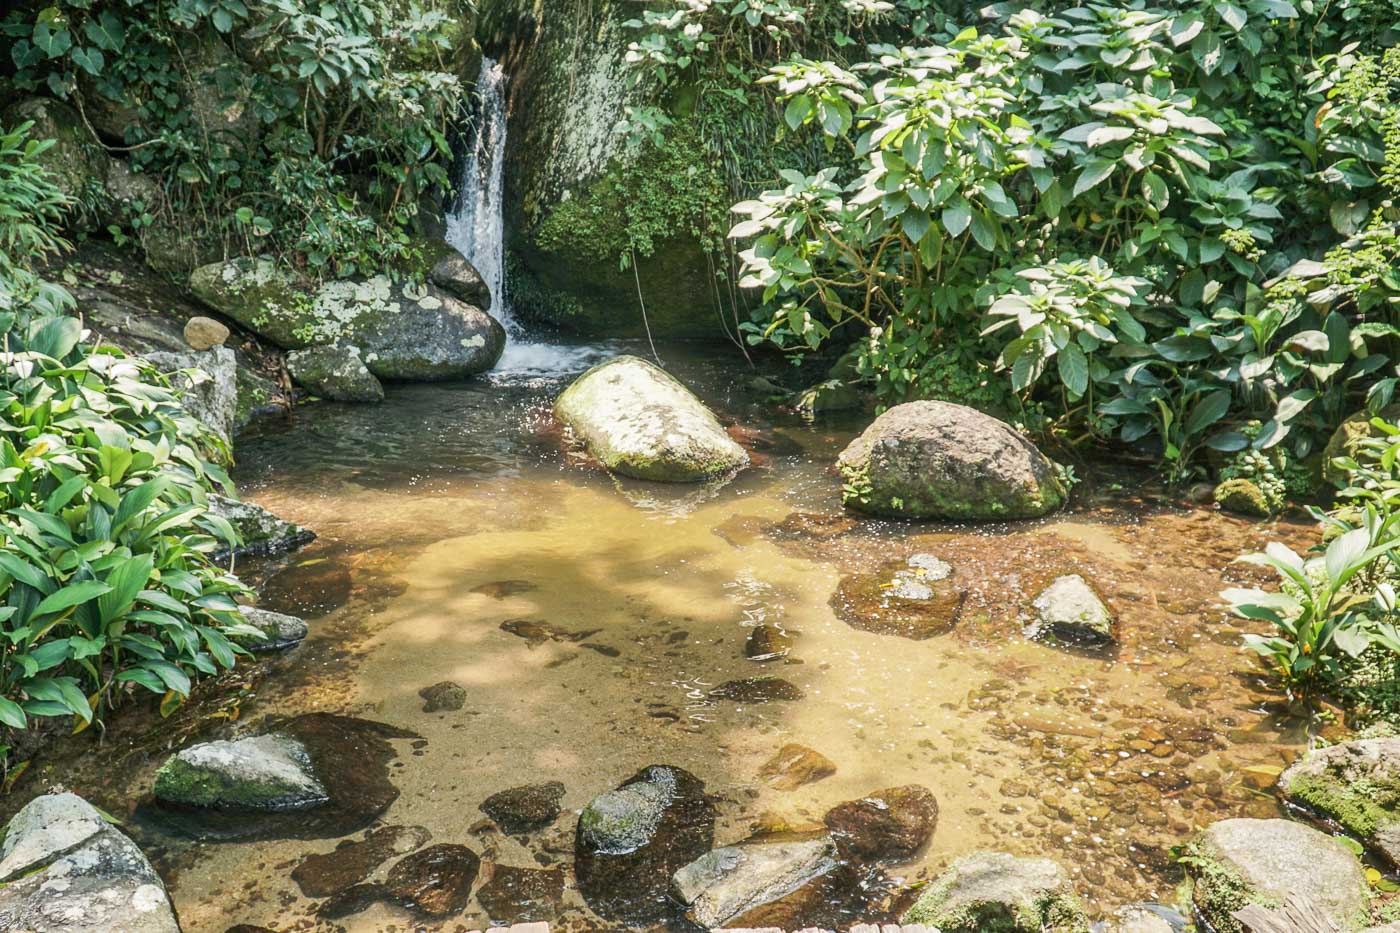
x,y
728,882
1236,863
65,869
335,372
630,841
1069,610
403,331
1355,785
264,772
637,420
1347,438
995,891
262,533
890,825
946,461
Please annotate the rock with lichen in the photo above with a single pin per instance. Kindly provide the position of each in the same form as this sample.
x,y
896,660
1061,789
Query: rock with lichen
x,y
263,772
1355,785
335,372
994,891
1242,496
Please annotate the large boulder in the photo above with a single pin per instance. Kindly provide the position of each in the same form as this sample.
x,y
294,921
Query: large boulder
x,y
637,420
728,882
335,372
1236,863
404,331
65,869
1355,785
630,841
263,772
995,891
940,460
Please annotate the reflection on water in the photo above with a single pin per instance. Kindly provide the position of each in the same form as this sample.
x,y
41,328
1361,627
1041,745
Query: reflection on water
x,y
590,622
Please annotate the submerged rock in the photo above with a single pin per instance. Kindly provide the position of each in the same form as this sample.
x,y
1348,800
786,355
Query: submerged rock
x,y
263,772
1235,863
630,841
1071,611
525,809
352,862
436,881
443,696
914,599
890,825
728,882
521,895
637,420
758,690
65,868
940,460
767,643
280,631
335,372
1355,785
995,891
795,765
262,533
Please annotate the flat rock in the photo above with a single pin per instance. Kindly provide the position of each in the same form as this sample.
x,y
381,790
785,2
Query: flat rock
x,y
995,891
1071,611
1137,918
262,772
725,883
1239,862
758,690
890,825
444,696
794,766
939,460
525,809
915,599
351,862
516,895
436,881
638,420
1355,785
280,631
335,372
64,869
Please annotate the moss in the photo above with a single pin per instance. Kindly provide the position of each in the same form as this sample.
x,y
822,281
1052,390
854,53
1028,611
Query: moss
x,y
1360,807
1217,891
180,782
1242,496
1054,913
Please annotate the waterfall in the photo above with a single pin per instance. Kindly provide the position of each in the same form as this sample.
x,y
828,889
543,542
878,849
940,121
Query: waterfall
x,y
477,226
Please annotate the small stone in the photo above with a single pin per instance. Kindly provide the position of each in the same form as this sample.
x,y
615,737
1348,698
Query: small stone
x,y
891,825
767,643
758,690
525,809
436,881
205,333
795,765
1070,610
443,696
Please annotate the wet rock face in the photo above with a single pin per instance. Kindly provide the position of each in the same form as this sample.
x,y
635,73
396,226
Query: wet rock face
x,y
444,696
335,372
521,895
64,868
994,891
795,765
1235,863
352,862
637,420
946,461
1070,610
758,690
264,772
729,882
436,881
1356,785
918,598
631,840
525,809
891,825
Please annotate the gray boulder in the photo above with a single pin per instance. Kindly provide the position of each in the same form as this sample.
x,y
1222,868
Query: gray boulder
x,y
946,461
1235,863
262,533
280,631
637,420
64,869
455,275
1070,610
726,883
1355,785
996,891
335,372
263,772
207,382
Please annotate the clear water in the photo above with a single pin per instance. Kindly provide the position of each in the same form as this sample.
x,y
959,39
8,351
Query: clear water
x,y
451,510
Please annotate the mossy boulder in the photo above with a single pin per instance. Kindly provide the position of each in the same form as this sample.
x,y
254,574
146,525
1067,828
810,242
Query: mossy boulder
x,y
638,420
336,372
1345,441
993,892
1236,863
945,461
1355,785
1243,497
264,772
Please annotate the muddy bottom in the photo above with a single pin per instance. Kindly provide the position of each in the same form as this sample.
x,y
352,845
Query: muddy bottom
x,y
596,627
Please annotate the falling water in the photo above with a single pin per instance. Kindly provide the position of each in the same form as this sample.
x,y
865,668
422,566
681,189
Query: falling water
x,y
476,227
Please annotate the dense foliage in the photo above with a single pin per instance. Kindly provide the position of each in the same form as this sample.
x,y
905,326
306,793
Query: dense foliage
x,y
1162,221
306,130
105,581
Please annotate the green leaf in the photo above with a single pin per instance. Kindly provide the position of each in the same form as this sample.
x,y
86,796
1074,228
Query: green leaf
x,y
88,59
1074,369
1095,171
915,224
72,595
956,216
12,715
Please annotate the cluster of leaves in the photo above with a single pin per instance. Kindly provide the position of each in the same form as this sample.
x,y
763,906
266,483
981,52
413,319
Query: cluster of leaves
x,y
105,580
307,129
1093,195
